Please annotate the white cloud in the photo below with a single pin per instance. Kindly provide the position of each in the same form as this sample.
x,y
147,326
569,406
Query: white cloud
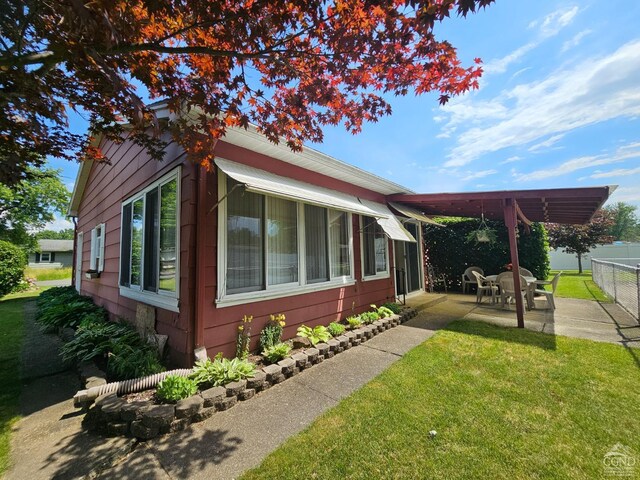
x,y
549,27
549,142
575,40
480,174
626,194
556,21
515,158
58,224
596,90
579,163
619,172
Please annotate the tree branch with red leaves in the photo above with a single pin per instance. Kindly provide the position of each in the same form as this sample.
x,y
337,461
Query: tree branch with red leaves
x,y
313,63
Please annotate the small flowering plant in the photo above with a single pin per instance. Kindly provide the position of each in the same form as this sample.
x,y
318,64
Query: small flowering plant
x,y
271,334
244,337
508,267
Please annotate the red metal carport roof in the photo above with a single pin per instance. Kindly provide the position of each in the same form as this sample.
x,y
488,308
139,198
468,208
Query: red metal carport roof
x,y
556,205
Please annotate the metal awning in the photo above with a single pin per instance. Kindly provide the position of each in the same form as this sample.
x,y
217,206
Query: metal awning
x,y
389,223
413,213
267,183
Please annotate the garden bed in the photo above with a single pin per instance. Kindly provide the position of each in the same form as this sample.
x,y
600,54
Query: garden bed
x,y
140,414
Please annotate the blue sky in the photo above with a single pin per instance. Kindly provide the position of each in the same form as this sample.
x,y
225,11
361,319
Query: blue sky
x,y
558,106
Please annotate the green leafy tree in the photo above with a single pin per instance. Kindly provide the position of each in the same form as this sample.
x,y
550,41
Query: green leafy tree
x,y
30,204
66,234
625,224
580,239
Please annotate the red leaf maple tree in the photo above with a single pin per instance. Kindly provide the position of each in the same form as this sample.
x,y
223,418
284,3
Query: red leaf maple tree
x,y
288,66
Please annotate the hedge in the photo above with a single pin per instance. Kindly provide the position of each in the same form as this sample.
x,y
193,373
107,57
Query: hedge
x,y
12,262
449,251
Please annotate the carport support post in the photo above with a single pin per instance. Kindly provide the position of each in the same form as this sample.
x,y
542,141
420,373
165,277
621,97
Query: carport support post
x,y
511,223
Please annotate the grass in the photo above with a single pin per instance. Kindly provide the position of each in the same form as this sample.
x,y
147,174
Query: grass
x,y
505,403
41,274
578,285
11,332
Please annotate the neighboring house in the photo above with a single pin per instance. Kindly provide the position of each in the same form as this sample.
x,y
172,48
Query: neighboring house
x,y
266,231
52,254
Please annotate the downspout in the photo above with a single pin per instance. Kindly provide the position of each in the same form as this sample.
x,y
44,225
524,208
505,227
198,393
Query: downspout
x,y
201,255
75,251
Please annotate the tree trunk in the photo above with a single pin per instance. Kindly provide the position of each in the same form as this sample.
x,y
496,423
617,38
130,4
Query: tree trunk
x,y
579,263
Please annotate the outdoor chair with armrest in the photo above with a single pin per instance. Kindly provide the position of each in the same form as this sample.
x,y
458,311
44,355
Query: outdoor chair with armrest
x,y
549,295
524,272
484,286
507,289
468,278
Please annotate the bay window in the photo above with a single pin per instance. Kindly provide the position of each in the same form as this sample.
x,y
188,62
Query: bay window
x,y
149,243
276,244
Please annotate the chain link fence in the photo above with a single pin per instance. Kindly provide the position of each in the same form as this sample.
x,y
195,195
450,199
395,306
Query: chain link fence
x,y
619,281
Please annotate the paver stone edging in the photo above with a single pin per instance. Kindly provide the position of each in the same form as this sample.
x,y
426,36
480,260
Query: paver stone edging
x,y
114,416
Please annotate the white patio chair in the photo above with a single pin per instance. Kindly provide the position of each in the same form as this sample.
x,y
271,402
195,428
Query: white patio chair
x,y
524,272
468,278
549,294
484,286
507,289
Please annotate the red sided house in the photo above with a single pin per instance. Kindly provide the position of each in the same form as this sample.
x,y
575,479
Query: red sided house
x,y
268,231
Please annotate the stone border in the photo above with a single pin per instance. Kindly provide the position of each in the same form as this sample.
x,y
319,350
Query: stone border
x,y
114,416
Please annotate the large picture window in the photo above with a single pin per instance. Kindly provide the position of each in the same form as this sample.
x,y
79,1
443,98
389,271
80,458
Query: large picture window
x,y
149,242
275,244
374,248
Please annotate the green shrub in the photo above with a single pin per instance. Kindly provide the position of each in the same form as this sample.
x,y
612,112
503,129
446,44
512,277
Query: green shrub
x,y
336,329
12,263
127,361
221,371
449,252
174,388
277,352
383,312
271,334
394,307
369,317
315,335
63,307
354,321
96,337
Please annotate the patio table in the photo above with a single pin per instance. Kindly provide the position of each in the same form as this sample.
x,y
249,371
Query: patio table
x,y
531,286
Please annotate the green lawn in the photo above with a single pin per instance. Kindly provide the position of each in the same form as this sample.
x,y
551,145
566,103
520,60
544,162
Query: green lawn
x,y
578,285
41,274
505,403
11,330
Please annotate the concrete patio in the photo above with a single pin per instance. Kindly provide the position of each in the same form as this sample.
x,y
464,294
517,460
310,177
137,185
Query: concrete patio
x,y
50,443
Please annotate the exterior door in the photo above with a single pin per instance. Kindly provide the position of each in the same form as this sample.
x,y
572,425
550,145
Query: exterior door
x,y
79,244
408,262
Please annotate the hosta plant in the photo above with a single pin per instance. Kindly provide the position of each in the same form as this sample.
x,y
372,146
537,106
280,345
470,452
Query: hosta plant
x,y
175,388
276,352
221,371
315,335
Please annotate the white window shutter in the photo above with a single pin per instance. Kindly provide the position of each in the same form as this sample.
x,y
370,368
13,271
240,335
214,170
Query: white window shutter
x,y
101,251
92,257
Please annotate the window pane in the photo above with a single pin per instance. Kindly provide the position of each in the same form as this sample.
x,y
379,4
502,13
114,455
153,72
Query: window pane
x,y
340,248
125,248
374,247
315,233
168,236
151,220
282,241
136,242
245,257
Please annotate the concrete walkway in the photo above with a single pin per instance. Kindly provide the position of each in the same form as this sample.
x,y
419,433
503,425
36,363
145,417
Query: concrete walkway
x,y
65,282
49,441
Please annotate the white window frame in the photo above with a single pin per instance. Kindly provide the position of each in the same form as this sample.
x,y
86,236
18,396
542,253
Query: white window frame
x,y
275,291
48,260
162,298
96,261
378,275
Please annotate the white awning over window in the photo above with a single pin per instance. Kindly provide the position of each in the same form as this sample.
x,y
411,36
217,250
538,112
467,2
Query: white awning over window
x,y
413,213
389,223
267,183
